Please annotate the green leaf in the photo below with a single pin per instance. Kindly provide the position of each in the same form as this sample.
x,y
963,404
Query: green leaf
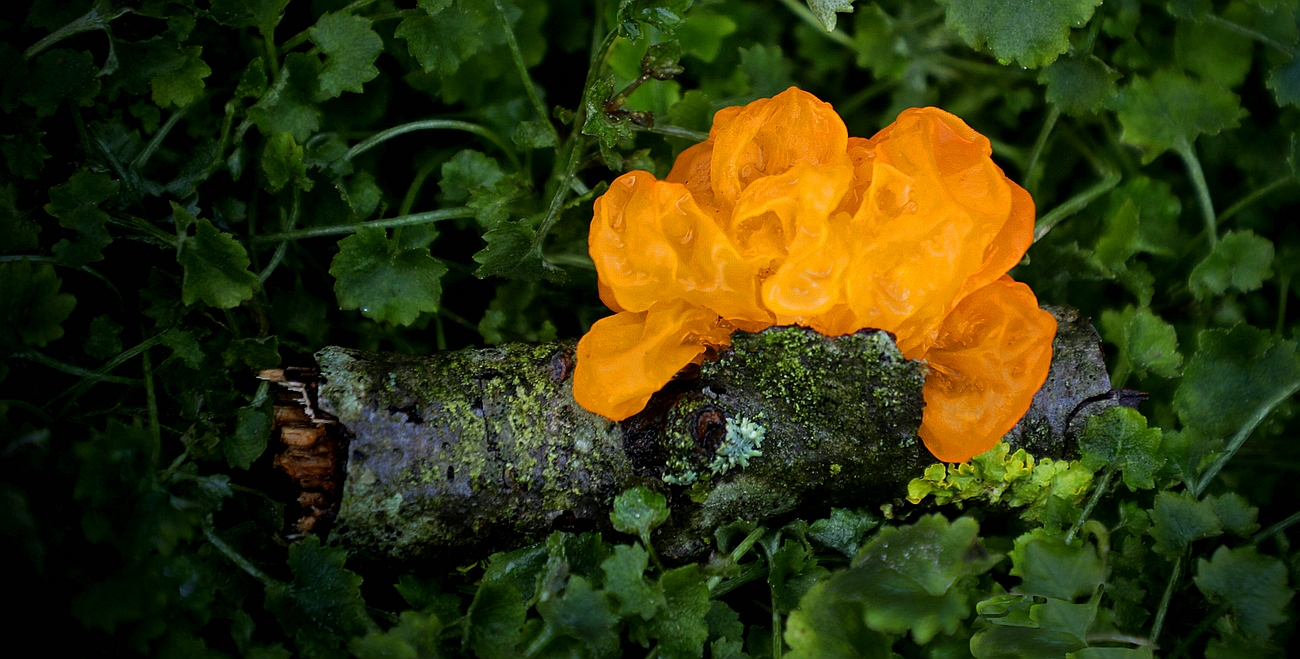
x,y
702,34
608,129
1049,567
693,111
322,607
1236,514
829,626
639,511
282,163
1046,630
184,83
466,171
844,530
511,252
184,346
261,14
1285,82
60,75
415,635
76,204
680,626
582,614
289,106
1170,110
1079,84
792,570
253,81
216,265
443,35
1032,38
24,153
916,577
350,49
1254,587
32,309
663,15
625,581
387,282
1232,375
533,135
825,11
252,430
104,340
1118,240
1179,519
1240,261
1146,342
1119,437
495,620
766,69
1212,53
1156,218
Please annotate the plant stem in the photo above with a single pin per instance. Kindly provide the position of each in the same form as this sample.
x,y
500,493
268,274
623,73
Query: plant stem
x,y
101,374
1165,600
36,258
1073,205
234,556
1188,154
1252,198
1283,294
413,191
1240,438
1034,154
806,15
1233,26
272,57
339,229
90,21
1097,493
673,131
85,373
156,141
429,124
151,404
1275,529
529,87
289,224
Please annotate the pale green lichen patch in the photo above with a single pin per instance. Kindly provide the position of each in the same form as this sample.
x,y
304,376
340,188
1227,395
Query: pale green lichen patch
x,y
744,441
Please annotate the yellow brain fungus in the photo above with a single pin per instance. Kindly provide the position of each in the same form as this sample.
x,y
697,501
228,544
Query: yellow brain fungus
x,y
780,218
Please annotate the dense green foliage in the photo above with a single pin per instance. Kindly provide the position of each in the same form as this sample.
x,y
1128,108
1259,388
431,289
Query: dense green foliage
x,y
192,190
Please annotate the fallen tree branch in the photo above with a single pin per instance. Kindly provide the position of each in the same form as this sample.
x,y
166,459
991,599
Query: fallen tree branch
x,y
408,457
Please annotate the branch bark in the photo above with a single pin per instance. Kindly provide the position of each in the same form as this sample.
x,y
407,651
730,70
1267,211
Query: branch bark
x,y
486,449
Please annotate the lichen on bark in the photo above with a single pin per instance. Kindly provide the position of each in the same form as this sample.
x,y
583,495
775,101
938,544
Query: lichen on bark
x,y
481,449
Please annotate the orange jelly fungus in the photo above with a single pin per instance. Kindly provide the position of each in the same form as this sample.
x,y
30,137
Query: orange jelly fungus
x,y
781,218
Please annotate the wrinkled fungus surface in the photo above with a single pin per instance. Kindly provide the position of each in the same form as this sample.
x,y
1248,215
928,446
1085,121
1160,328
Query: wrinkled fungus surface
x,y
781,218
